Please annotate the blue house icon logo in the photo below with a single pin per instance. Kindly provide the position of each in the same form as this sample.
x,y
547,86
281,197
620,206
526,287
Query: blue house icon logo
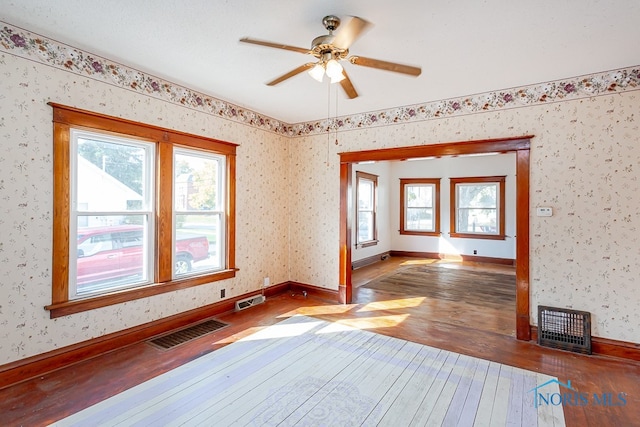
x,y
555,399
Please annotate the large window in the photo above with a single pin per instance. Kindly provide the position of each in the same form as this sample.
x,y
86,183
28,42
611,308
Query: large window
x,y
138,211
420,206
366,192
111,213
478,207
199,197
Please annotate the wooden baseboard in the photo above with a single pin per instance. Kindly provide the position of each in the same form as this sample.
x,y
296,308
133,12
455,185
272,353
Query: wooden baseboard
x,y
454,257
31,367
606,347
318,292
369,260
276,289
428,255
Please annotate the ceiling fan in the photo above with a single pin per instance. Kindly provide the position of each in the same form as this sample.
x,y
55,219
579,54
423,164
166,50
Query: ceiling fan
x,y
329,50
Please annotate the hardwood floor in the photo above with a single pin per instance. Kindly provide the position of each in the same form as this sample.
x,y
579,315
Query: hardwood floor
x,y
54,396
469,295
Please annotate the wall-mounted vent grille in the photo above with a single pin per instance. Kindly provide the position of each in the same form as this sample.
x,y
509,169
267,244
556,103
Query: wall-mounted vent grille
x,y
248,302
184,335
564,329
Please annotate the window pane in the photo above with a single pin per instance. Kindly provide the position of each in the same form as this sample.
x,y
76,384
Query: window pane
x,y
477,221
199,244
365,195
110,176
111,254
197,185
419,196
419,219
477,195
365,226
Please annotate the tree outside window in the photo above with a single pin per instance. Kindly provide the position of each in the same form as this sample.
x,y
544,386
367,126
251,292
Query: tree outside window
x,y
478,207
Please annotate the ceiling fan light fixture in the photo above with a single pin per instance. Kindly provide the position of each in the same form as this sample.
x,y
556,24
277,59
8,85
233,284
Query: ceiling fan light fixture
x,y
337,79
317,72
334,70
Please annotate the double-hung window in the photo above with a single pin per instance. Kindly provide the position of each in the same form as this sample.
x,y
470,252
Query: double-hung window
x,y
199,199
420,206
478,207
366,192
111,213
138,210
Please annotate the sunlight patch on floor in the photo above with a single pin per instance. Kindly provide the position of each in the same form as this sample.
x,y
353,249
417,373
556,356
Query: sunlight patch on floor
x,y
282,330
419,261
319,309
374,322
392,304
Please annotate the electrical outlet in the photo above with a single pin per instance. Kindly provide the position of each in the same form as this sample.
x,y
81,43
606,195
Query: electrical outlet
x,y
222,293
475,252
266,282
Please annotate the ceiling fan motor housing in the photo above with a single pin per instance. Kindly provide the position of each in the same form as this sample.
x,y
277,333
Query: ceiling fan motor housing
x,y
331,22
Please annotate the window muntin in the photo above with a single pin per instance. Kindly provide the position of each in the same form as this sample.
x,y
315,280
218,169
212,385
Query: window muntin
x,y
145,206
478,207
107,173
366,194
419,206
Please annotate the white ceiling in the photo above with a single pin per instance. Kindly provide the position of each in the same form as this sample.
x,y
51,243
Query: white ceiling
x,y
464,47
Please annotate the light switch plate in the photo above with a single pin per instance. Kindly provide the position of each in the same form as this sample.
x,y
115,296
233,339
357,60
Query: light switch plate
x,y
544,211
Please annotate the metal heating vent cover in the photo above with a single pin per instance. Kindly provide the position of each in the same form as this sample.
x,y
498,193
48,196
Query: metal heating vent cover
x,y
564,329
184,335
249,302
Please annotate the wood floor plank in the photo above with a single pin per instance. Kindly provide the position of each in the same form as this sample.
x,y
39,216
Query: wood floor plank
x,y
379,382
489,390
500,410
464,366
428,403
529,411
398,389
461,395
332,356
416,386
516,399
472,403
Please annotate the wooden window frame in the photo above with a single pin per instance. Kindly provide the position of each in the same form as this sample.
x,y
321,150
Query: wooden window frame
x,y
500,180
370,177
64,119
436,205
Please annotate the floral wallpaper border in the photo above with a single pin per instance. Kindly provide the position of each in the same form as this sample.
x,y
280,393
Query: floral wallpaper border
x,y
20,42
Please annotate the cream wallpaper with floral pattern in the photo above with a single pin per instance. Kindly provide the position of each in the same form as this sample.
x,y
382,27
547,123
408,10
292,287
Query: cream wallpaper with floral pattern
x,y
26,206
585,164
